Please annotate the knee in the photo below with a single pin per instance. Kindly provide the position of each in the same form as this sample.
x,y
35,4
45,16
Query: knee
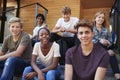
x,y
50,73
27,69
10,60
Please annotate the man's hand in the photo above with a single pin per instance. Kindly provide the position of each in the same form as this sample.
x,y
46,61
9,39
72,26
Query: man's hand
x,y
62,29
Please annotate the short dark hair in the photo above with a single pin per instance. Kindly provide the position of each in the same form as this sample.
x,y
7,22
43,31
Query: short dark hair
x,y
40,15
84,23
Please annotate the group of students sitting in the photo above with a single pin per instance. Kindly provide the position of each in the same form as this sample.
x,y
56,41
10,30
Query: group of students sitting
x,y
82,46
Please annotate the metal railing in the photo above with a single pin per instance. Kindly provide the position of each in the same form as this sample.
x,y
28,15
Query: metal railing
x,y
3,14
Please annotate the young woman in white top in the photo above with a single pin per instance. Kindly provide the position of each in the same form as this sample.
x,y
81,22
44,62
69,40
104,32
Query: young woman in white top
x,y
48,54
40,19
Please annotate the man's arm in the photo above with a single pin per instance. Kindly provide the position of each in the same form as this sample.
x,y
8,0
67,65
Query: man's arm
x,y
68,72
100,73
56,29
71,30
1,53
61,29
16,53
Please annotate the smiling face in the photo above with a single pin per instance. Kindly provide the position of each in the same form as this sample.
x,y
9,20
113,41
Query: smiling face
x,y
99,19
66,17
39,20
85,35
15,28
44,36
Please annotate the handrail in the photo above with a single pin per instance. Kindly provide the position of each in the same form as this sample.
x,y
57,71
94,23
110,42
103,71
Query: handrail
x,y
42,7
26,6
3,18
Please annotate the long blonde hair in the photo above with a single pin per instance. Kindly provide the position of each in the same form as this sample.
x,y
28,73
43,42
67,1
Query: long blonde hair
x,y
97,14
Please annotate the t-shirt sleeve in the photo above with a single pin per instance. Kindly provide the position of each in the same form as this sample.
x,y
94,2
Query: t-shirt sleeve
x,y
35,49
105,60
25,40
68,57
77,20
58,24
56,50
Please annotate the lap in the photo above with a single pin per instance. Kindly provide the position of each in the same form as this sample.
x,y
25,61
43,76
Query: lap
x,y
30,69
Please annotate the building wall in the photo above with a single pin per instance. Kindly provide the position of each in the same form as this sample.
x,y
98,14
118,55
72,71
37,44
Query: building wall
x,y
27,14
89,13
54,11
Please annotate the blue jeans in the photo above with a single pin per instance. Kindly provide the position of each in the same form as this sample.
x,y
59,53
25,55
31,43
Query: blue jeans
x,y
50,75
12,66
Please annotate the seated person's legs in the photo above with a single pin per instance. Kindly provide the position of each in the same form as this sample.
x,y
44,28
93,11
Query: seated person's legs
x,y
13,66
114,64
2,64
20,66
63,48
8,70
26,71
53,74
50,75
65,43
1,67
54,37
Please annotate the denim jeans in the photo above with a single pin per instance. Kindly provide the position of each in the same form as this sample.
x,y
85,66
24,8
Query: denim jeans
x,y
11,66
50,75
